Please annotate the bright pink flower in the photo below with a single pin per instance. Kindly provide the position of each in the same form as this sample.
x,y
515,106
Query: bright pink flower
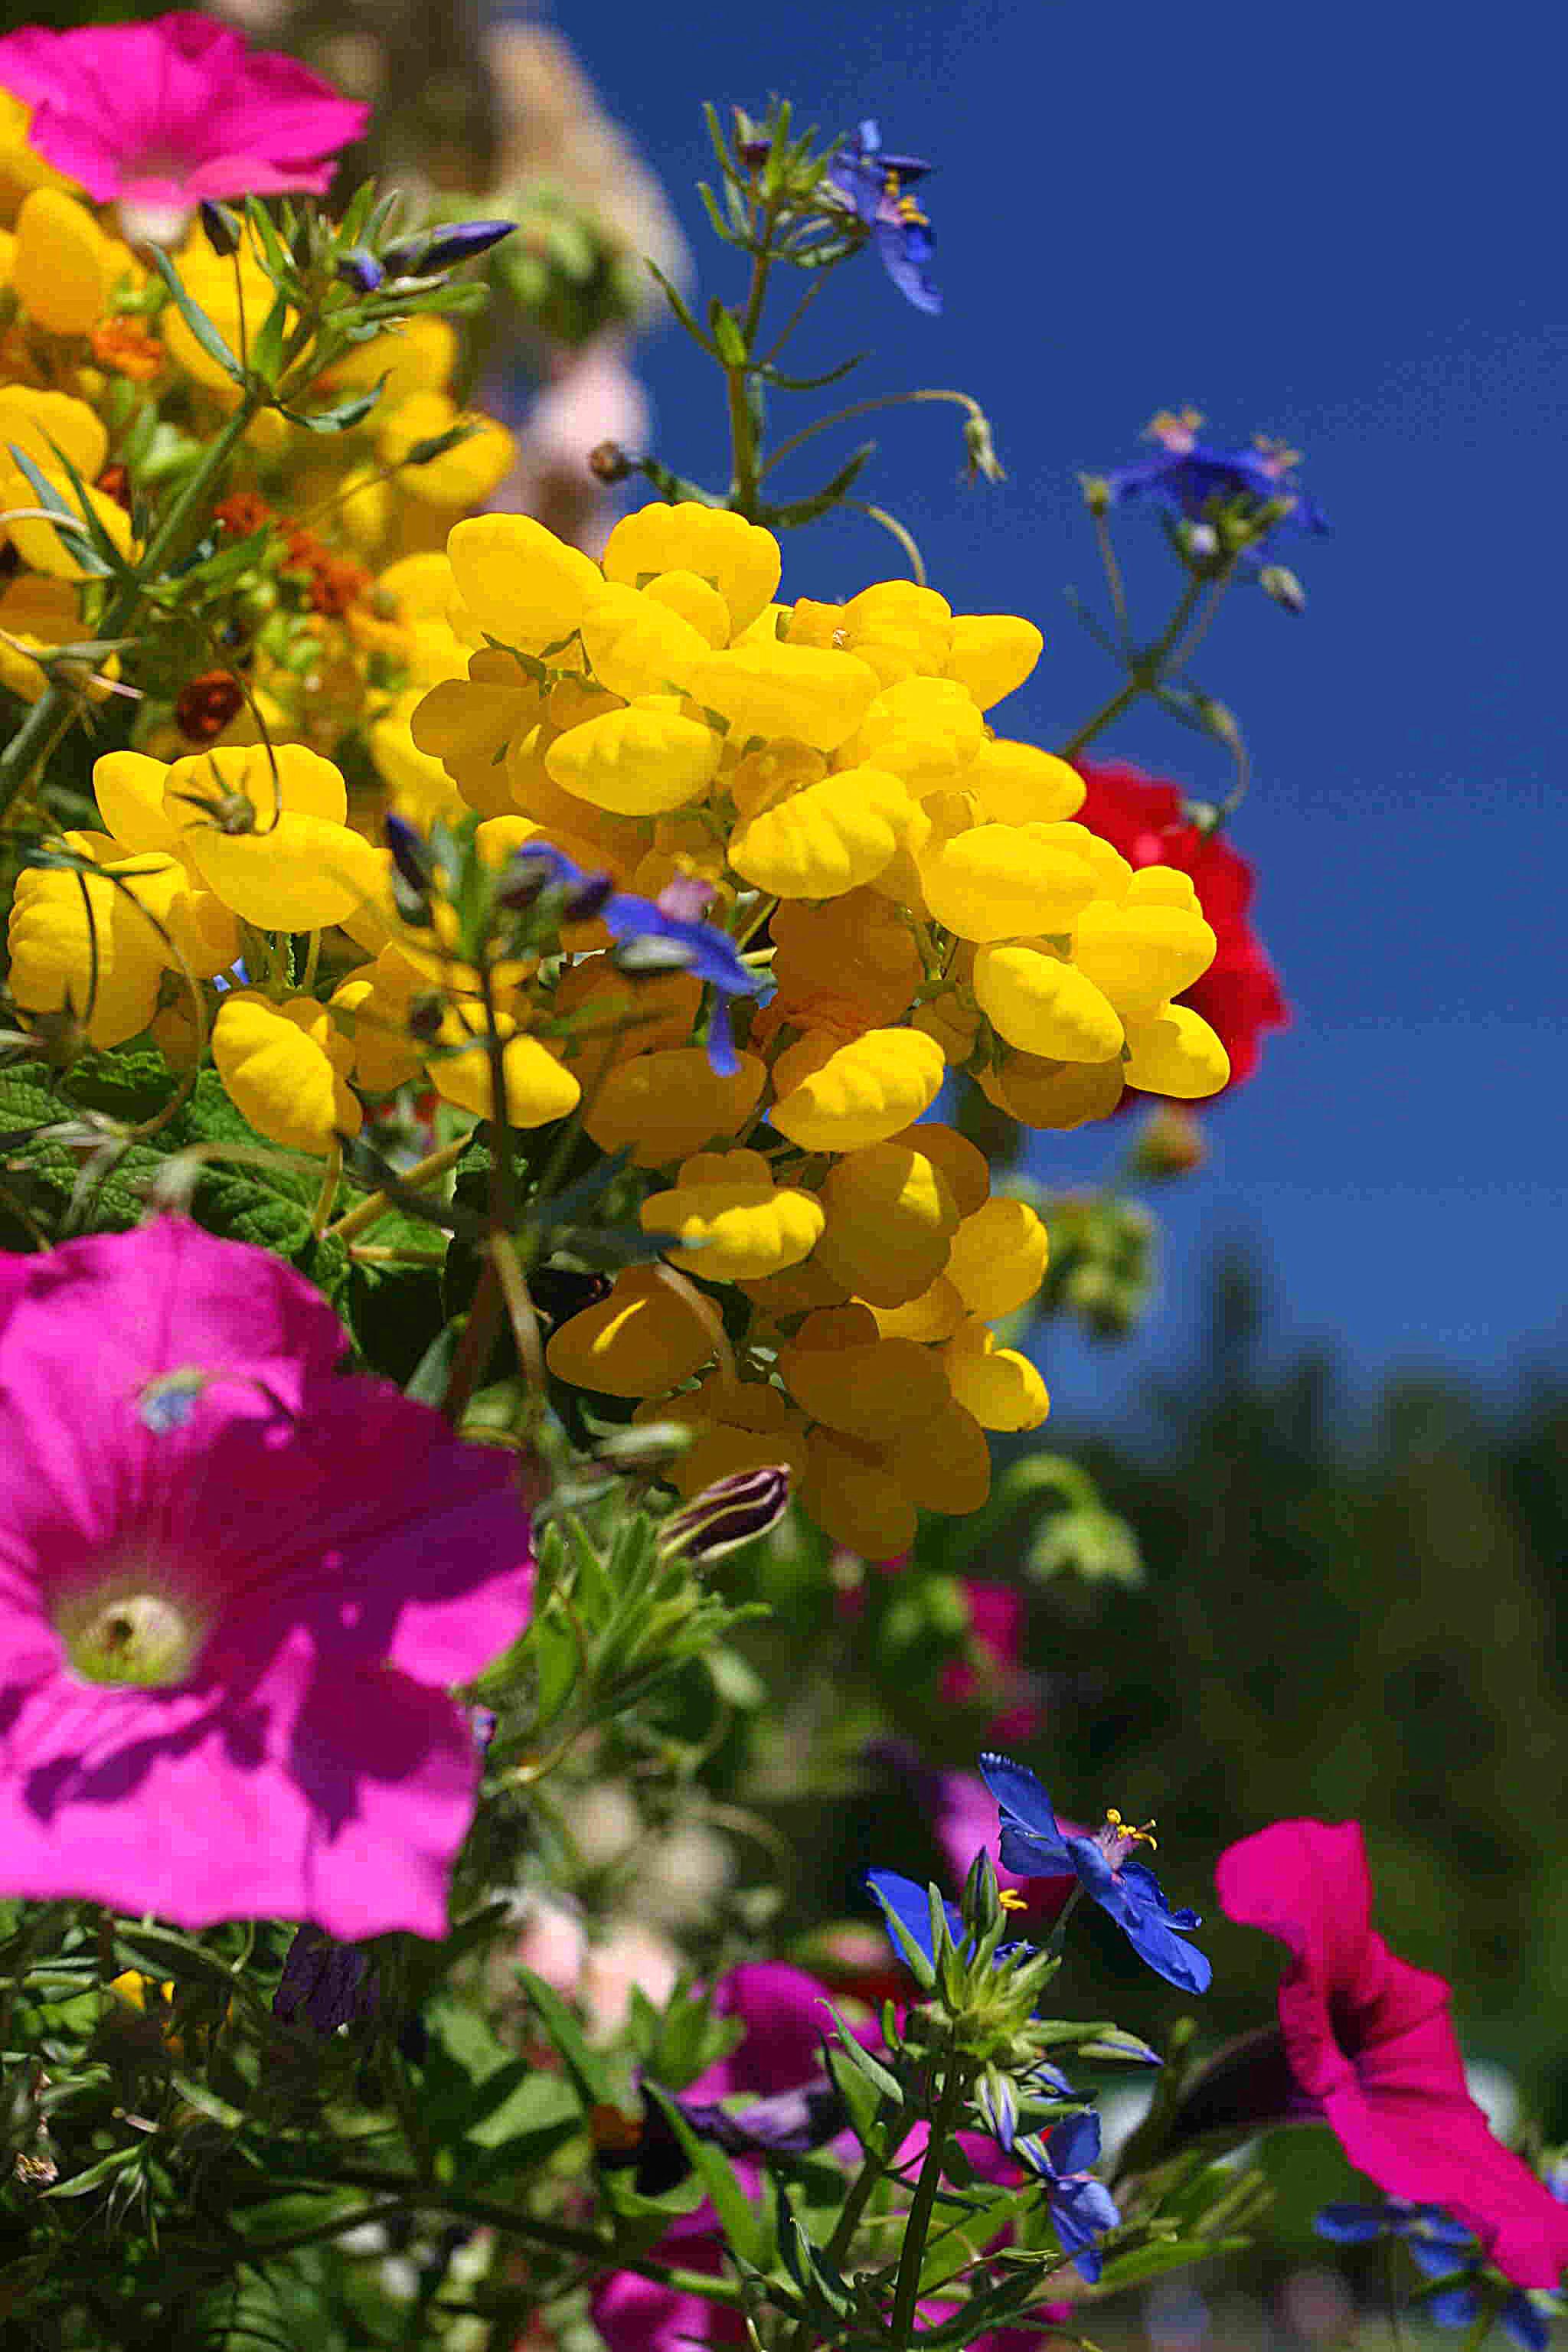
x,y
234,1587
1239,995
174,109
1371,2045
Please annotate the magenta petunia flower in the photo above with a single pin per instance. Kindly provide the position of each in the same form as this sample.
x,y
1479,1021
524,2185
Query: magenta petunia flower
x,y
174,109
1370,2045
234,1588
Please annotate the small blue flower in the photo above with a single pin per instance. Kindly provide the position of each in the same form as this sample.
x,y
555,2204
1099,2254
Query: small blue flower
x,y
873,183
444,248
686,942
1081,2208
1189,477
1441,2248
1033,1846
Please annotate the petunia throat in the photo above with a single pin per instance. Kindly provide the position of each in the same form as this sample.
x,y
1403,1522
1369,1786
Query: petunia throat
x,y
131,1630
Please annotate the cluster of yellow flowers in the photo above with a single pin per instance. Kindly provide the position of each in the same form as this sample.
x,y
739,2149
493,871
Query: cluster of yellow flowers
x,y
829,772
915,883
100,368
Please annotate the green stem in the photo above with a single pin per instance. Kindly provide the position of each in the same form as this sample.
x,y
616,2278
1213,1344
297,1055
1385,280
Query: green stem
x,y
864,408
50,717
917,2228
1147,671
603,2252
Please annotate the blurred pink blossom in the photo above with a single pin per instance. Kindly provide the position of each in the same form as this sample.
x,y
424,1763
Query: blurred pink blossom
x,y
174,109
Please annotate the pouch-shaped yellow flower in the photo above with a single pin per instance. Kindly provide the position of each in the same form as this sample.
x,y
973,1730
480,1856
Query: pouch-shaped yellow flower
x,y
743,1224
1045,1006
538,1087
740,558
1056,1095
964,1167
926,729
667,1105
863,1092
942,1463
933,1314
469,723
830,838
520,584
108,965
857,945
998,1258
1005,881
641,1341
992,652
282,1066
767,689
64,268
900,629
1174,1052
1000,1387
850,1494
637,761
377,999
1140,956
295,865
889,1216
637,644
872,1390
1018,784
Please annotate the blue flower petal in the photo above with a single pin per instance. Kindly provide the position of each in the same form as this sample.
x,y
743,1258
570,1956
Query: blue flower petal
x,y
905,248
1082,2211
1028,1824
902,1899
1074,2144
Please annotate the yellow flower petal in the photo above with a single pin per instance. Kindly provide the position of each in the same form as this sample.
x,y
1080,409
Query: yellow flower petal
x,y
666,1105
1174,1052
1004,881
863,1093
521,584
64,270
641,1341
759,688
637,761
992,652
281,1066
830,838
998,1258
1044,1006
740,558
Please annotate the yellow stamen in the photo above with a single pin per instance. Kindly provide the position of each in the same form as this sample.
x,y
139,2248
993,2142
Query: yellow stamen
x,y
1010,1899
1125,1829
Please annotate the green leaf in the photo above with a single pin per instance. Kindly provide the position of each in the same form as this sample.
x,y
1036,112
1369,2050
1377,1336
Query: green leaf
x,y
589,2069
161,1952
832,494
340,419
267,345
1170,2254
823,2287
810,383
195,316
85,528
854,2054
718,2176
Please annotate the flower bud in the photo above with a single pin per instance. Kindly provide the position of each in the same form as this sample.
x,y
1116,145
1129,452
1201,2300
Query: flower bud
x,y
732,1512
1172,1144
410,853
427,255
1201,541
331,1984
1277,581
983,458
608,462
359,268
220,225
1095,493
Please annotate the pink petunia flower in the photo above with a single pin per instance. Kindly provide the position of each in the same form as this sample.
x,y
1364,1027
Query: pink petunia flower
x,y
166,113
234,1588
1370,2047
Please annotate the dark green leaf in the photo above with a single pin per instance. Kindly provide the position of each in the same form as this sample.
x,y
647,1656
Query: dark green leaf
x,y
195,316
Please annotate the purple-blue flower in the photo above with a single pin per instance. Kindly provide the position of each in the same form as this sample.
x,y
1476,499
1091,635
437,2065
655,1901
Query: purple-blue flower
x,y
685,941
1441,2248
874,184
1081,2208
1189,477
1033,1845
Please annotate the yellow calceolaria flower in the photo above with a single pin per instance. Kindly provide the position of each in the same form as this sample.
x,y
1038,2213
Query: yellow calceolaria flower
x,y
889,1219
65,269
538,1087
264,827
285,1067
646,1338
830,838
741,559
860,1093
1001,1388
734,1223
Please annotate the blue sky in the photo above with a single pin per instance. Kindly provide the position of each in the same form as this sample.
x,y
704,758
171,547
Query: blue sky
x,y
1341,228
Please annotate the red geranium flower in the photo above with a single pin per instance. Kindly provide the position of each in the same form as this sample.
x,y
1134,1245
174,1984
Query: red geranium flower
x,y
1239,995
1371,2047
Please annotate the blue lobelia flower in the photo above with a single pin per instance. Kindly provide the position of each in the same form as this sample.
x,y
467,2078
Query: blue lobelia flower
x,y
874,184
1081,2208
655,936
1189,476
903,1900
1442,2248
1033,1846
